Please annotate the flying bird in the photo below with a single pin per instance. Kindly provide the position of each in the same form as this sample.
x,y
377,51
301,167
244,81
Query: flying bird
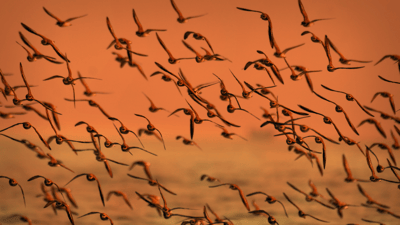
x,y
63,23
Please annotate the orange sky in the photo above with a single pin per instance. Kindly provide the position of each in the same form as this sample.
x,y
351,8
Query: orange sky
x,y
363,30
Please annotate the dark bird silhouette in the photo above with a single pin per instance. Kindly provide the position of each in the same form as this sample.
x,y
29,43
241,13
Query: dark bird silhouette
x,y
301,213
141,32
62,23
181,18
12,182
90,177
306,21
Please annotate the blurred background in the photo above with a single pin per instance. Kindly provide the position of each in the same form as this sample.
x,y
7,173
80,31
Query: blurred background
x,y
362,30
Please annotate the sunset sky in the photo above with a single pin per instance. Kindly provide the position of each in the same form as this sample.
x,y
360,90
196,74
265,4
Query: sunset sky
x,y
361,30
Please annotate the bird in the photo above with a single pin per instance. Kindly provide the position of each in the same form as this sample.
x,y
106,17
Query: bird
x,y
103,216
301,213
396,144
330,66
241,194
231,108
382,210
36,54
395,58
119,42
54,114
314,191
306,21
166,211
209,178
225,133
374,177
69,80
386,95
155,201
59,203
21,218
314,38
30,145
349,97
309,198
132,63
209,56
314,156
152,183
326,119
338,204
46,182
67,191
339,109
121,59
147,132
145,165
10,115
189,112
27,126
305,128
90,177
271,219
120,194
395,173
12,182
125,147
62,23
87,91
124,130
54,163
304,72
217,218
384,146
245,94
371,221
187,141
29,95
171,59
270,199
153,108
100,157
301,153
199,58
342,59
91,103
181,18
349,177
264,16
282,54
384,115
378,125
46,41
390,81
141,32
370,201
28,107
197,36
151,127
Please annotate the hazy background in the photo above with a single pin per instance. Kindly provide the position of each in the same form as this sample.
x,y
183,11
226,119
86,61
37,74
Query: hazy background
x,y
363,30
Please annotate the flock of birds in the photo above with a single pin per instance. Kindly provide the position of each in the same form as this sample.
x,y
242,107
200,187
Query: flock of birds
x,y
286,121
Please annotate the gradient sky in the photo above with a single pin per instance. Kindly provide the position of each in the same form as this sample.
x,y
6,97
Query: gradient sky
x,y
360,31
363,30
